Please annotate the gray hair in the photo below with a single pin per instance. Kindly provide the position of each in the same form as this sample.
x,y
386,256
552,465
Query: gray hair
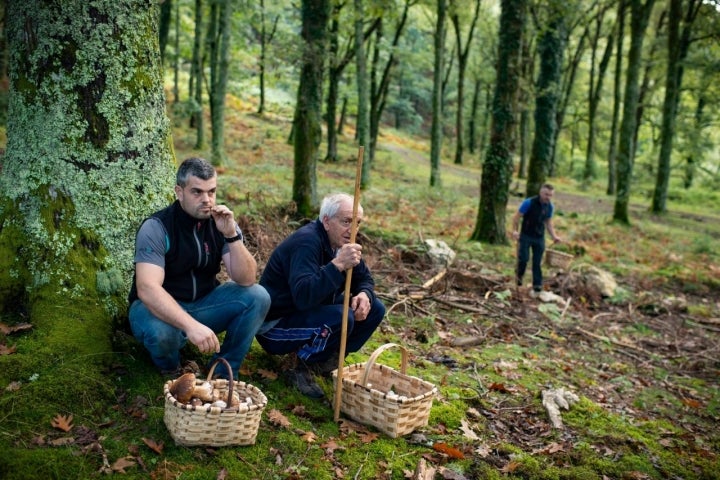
x,y
194,167
331,204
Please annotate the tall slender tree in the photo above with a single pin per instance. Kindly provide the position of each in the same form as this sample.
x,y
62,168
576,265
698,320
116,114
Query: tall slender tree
x,y
437,95
617,101
498,164
463,52
196,79
595,91
308,107
639,17
222,11
551,47
678,45
363,89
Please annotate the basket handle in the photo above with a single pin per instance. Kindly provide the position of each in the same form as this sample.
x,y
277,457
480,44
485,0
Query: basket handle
x,y
231,381
376,354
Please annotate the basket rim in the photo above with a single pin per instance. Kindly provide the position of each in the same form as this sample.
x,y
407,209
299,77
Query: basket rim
x,y
349,382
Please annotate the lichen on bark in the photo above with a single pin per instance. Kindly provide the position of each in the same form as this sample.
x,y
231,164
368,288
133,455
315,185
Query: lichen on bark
x,y
89,154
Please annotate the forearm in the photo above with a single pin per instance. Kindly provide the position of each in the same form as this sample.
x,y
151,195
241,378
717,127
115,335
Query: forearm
x,y
163,306
240,264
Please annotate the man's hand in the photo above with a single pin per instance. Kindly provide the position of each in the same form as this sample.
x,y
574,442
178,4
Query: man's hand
x,y
348,256
224,219
360,305
515,235
203,338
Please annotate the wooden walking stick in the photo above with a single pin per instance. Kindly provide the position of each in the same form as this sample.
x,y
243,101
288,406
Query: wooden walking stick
x,y
348,279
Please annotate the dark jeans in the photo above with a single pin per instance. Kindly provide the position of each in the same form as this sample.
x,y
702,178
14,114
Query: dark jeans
x,y
525,244
315,334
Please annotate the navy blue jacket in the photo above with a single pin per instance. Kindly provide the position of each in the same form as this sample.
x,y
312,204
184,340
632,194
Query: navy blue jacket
x,y
300,275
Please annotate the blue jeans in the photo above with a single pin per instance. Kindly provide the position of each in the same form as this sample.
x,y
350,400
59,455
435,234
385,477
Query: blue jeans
x,y
315,334
239,311
525,244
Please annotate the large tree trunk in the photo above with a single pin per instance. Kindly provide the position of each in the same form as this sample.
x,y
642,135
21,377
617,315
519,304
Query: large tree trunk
x,y
678,46
639,16
551,47
89,154
497,168
307,131
437,110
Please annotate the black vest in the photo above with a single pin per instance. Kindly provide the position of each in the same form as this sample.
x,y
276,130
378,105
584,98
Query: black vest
x,y
192,257
533,222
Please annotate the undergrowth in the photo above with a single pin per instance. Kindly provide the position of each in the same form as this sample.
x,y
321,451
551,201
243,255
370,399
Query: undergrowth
x,y
635,420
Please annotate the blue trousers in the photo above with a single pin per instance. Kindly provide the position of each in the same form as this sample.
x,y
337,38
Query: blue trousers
x,y
315,334
537,245
231,308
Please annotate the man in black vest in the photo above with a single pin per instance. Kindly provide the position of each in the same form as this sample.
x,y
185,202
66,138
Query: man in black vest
x,y
536,213
176,296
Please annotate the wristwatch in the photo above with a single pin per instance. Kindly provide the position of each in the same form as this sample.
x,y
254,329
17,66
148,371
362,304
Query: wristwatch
x,y
238,236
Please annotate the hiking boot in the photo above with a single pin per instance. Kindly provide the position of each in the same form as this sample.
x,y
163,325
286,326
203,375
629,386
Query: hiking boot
x,y
301,378
325,367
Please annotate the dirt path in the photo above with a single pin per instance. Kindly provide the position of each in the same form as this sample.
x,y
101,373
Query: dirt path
x,y
565,201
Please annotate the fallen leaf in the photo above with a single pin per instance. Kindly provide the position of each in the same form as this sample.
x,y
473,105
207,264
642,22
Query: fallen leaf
x,y
467,430
8,329
309,437
499,387
122,463
510,467
451,452
689,402
62,422
483,451
368,437
153,445
269,374
5,350
330,446
278,419
13,387
222,474
61,442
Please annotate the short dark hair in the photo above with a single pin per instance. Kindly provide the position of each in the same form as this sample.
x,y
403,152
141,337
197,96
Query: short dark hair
x,y
547,186
195,167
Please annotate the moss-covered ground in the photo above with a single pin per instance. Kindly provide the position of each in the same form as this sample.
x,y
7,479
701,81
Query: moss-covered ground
x,y
643,362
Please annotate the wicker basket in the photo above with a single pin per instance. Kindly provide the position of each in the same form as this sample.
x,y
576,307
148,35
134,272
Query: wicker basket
x,y
214,426
391,401
557,259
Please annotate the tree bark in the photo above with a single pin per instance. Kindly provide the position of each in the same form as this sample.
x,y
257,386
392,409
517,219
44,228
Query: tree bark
x,y
497,168
617,95
89,154
363,89
307,131
639,16
219,82
678,46
551,47
437,109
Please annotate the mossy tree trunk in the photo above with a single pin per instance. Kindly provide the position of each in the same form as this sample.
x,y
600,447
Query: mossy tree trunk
x,y
551,47
307,131
497,167
89,154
